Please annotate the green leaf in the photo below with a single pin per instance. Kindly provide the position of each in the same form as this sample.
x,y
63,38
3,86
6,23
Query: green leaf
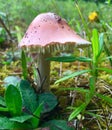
x,y
84,59
24,65
105,98
21,119
2,101
106,70
77,111
6,124
107,58
49,101
18,33
88,97
92,86
13,100
36,118
69,59
57,125
3,109
82,90
109,1
92,114
29,96
95,44
22,126
73,75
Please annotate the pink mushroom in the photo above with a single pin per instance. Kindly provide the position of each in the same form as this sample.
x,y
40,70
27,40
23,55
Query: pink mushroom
x,y
49,32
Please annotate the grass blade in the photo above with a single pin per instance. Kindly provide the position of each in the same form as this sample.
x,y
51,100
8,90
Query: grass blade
x,y
73,75
69,59
77,111
105,98
106,70
81,90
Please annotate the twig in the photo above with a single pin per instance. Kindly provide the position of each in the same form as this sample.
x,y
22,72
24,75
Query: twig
x,y
99,125
4,26
106,121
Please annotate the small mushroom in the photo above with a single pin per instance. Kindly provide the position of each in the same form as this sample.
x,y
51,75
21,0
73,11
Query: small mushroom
x,y
49,32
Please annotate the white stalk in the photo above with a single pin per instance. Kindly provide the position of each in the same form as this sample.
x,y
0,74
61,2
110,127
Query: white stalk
x,y
44,68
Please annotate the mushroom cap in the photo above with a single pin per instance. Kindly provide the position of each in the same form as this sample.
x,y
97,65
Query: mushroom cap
x,y
49,29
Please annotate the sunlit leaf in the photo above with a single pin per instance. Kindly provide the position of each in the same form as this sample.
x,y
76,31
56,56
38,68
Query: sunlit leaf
x,y
95,44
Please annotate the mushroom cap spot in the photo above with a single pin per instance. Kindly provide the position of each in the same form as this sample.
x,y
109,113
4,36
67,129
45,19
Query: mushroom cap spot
x,y
48,29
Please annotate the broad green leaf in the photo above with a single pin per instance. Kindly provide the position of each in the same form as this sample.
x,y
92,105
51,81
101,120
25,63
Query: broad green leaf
x,y
13,100
36,118
48,100
2,101
24,65
106,70
105,98
73,75
21,119
57,125
6,124
77,111
69,59
29,96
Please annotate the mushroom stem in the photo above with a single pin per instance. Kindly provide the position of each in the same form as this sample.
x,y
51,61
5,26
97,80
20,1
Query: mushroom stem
x,y
44,68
